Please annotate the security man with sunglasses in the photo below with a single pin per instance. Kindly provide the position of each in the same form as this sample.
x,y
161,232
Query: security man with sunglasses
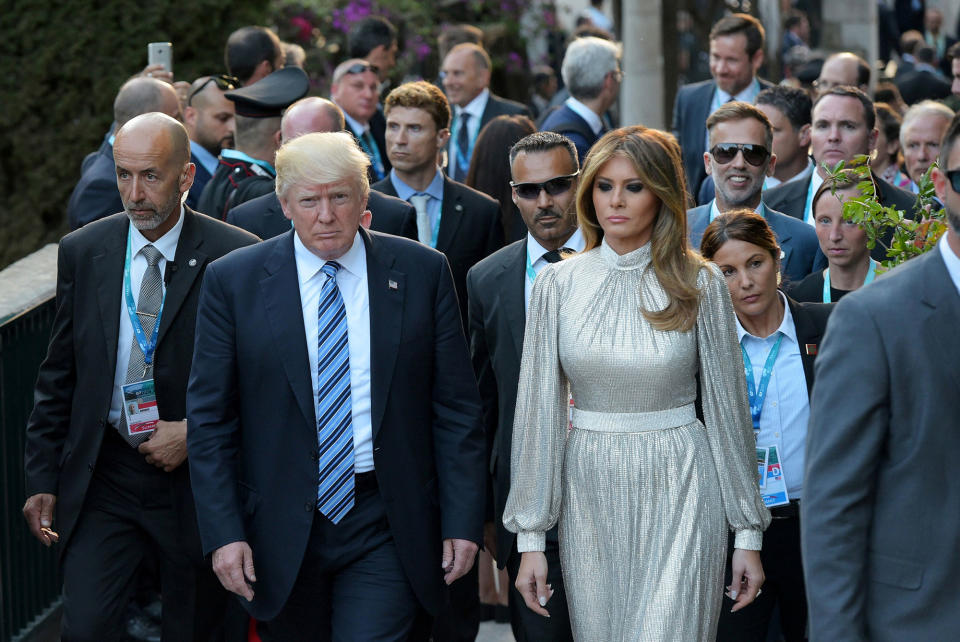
x,y
209,119
739,159
545,173
247,171
356,90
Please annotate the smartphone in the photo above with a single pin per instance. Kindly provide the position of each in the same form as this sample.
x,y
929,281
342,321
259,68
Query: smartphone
x,y
160,53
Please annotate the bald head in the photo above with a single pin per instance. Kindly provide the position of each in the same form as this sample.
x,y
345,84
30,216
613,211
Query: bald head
x,y
311,115
143,95
156,130
844,68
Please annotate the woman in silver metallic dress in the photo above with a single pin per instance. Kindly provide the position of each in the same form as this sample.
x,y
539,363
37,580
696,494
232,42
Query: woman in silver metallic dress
x,y
645,494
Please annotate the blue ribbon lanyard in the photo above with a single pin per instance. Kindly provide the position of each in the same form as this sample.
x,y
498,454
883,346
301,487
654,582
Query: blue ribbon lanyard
x,y
759,394
148,347
374,154
531,273
871,272
435,232
808,204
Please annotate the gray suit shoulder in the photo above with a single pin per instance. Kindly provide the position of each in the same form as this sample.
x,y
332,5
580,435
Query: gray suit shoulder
x,y
893,290
488,265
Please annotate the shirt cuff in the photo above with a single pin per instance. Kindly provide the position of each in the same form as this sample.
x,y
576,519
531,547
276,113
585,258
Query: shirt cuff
x,y
748,540
530,541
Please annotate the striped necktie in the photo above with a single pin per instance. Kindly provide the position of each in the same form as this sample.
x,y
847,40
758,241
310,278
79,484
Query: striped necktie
x,y
335,491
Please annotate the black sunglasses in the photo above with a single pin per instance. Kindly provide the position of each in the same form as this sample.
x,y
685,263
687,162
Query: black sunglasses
x,y
361,67
954,176
224,83
553,187
724,153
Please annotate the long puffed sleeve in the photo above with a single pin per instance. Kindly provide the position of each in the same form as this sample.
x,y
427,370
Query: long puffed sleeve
x,y
540,422
726,412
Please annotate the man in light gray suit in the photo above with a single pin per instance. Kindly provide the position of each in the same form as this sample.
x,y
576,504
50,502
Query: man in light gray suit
x,y
880,517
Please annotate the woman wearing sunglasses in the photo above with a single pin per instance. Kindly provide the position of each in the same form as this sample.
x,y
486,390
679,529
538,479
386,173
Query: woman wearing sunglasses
x,y
844,243
778,342
644,492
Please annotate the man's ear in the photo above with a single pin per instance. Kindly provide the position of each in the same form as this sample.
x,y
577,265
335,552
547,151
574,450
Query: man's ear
x,y
706,163
284,206
804,136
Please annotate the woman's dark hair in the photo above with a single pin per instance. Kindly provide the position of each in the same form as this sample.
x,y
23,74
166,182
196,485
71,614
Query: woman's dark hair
x,y
890,124
739,225
490,171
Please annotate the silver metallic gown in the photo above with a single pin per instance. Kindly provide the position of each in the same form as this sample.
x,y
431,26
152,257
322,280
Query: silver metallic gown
x,y
643,491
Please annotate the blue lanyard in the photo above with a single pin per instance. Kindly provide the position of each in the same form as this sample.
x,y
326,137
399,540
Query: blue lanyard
x,y
373,153
871,272
758,394
531,273
148,348
808,204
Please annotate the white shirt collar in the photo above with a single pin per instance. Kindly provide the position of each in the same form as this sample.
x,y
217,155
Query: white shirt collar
x,y
476,106
715,211
786,325
951,259
166,244
355,125
535,251
354,260
585,113
747,95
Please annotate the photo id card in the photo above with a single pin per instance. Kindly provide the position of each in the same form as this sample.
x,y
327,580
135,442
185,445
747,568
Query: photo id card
x,y
140,407
775,488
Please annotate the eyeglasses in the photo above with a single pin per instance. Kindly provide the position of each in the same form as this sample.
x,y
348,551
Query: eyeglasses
x,y
361,67
553,187
724,153
224,83
954,176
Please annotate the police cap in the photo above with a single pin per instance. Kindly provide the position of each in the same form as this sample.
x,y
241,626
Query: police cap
x,y
268,97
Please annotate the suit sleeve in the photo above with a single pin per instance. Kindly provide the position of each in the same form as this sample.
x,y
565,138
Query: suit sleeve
x,y
483,369
408,226
213,425
53,396
98,199
459,445
846,438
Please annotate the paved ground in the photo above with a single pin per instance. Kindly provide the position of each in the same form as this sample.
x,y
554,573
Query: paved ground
x,y
493,632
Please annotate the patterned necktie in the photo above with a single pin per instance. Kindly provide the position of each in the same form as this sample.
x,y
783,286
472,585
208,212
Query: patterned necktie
x,y
424,232
556,255
334,419
463,148
148,307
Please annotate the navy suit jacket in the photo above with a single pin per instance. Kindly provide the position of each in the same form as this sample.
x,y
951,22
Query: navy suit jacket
x,y
95,195
798,241
569,123
690,111
252,431
200,179
264,217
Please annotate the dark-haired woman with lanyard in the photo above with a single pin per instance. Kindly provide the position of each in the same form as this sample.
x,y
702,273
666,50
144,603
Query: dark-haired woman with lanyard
x,y
844,243
778,340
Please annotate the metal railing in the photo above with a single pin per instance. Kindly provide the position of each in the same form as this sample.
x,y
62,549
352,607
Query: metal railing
x,y
29,578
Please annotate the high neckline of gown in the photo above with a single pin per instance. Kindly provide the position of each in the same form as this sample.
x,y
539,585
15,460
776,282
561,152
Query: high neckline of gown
x,y
638,258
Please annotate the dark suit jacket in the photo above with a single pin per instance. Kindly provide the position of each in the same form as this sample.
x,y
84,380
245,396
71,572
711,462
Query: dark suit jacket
x,y
251,382
569,123
75,384
798,241
497,106
922,84
690,111
264,217
880,511
95,195
790,198
200,180
470,230
810,321
497,315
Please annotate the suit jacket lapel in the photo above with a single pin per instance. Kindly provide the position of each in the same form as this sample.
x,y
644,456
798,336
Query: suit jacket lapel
x,y
514,303
386,289
807,334
386,187
280,289
451,215
187,265
108,272
943,303
783,237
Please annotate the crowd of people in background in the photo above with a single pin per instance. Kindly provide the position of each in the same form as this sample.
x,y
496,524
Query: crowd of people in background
x,y
571,358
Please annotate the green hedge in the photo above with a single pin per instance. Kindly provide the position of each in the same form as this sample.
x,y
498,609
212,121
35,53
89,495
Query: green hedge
x,y
62,63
